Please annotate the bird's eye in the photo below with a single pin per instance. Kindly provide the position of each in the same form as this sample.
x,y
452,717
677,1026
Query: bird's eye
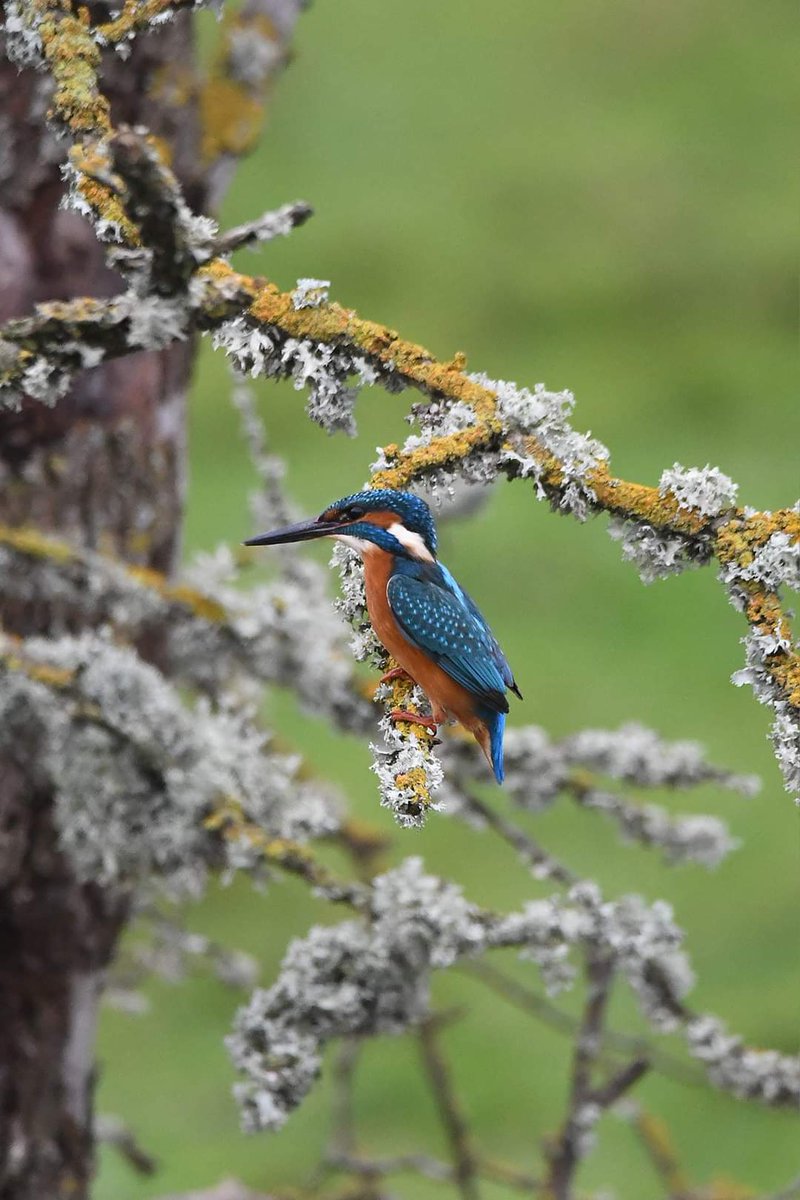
x,y
356,510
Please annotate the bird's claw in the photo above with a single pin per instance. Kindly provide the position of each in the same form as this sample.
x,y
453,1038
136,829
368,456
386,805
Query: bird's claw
x,y
402,714
395,673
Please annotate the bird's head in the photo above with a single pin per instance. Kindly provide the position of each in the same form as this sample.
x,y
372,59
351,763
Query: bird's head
x,y
396,522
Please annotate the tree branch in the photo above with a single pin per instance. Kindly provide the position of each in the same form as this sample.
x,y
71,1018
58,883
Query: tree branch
x,y
587,1103
455,1126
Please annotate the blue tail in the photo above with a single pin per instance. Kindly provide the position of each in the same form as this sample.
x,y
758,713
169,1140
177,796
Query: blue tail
x,y
495,724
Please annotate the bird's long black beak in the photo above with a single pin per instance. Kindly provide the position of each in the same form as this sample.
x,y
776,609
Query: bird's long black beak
x,y
303,531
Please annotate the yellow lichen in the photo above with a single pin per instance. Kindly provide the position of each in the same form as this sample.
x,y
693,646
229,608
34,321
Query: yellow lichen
x,y
135,16
231,117
73,59
28,540
50,676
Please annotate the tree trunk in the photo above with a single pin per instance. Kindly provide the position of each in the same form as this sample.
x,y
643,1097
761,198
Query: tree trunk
x,y
105,468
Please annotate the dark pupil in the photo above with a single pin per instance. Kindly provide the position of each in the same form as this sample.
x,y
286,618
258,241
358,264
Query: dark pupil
x,y
356,511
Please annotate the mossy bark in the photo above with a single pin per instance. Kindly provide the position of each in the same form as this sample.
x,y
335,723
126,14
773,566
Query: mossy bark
x,y
104,468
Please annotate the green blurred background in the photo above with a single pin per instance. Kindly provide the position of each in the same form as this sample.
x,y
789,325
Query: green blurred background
x,y
601,197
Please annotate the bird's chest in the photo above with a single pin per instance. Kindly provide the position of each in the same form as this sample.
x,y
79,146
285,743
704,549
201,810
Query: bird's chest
x,y
377,572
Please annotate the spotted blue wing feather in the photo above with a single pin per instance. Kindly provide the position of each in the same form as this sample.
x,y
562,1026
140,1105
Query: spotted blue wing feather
x,y
469,603
437,621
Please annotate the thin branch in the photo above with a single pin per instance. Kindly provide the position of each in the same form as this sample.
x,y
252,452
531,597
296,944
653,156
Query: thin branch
x,y
343,1124
619,1083
433,1168
656,1140
154,203
112,1131
264,229
614,1042
455,1126
543,864
586,1103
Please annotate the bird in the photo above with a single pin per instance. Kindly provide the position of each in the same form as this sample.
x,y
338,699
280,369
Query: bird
x,y
423,618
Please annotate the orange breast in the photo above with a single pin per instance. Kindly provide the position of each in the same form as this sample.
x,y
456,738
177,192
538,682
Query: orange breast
x,y
448,698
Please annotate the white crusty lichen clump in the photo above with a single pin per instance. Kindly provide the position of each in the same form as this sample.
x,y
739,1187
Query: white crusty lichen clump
x,y
539,770
656,554
775,564
21,30
310,293
703,489
352,604
760,647
546,415
333,375
642,940
359,977
136,774
749,1073
638,755
401,763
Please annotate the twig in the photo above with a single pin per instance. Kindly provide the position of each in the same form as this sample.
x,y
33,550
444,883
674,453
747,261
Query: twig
x,y
378,1168
112,1131
614,1042
587,1103
657,1143
264,229
343,1131
543,864
465,1167
154,203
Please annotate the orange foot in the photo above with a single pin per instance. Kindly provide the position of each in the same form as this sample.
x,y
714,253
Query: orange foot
x,y
395,673
402,714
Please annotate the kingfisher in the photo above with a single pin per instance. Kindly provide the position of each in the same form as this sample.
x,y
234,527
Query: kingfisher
x,y
424,619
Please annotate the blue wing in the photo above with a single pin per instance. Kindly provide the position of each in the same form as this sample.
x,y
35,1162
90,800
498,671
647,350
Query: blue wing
x,y
435,615
469,603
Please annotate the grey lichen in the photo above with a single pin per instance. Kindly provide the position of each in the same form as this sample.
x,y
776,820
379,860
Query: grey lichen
x,y
703,489
655,554
333,375
135,773
352,978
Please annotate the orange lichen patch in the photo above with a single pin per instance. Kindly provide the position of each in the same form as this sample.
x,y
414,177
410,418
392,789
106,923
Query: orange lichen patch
x,y
330,323
644,503
764,613
52,677
232,110
231,117
229,820
74,60
135,16
738,539
654,1133
198,603
28,540
103,198
228,287
414,781
162,148
201,605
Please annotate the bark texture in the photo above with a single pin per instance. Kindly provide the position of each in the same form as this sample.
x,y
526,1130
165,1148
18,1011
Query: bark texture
x,y
105,468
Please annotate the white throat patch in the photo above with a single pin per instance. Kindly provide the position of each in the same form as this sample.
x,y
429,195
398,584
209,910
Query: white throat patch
x,y
412,542
355,543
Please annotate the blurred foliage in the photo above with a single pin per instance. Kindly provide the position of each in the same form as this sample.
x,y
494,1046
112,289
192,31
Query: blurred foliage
x,y
601,197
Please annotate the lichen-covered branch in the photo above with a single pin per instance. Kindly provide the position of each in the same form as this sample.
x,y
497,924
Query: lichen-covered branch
x,y
364,978
147,790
